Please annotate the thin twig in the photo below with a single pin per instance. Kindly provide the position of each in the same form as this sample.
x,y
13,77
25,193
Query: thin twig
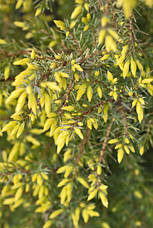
x,y
105,141
83,143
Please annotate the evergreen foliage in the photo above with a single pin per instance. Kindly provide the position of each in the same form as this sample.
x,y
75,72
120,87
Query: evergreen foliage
x,y
76,95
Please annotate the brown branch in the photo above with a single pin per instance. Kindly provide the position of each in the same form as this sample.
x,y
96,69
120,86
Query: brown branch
x,y
66,96
113,16
131,34
101,82
105,141
125,122
4,54
100,4
83,143
91,109
75,41
107,7
43,76
121,110
89,56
